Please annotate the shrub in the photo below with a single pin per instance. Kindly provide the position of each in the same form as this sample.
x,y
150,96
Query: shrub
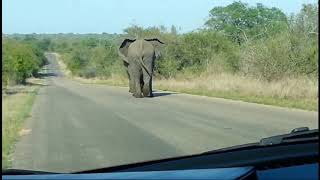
x,y
20,60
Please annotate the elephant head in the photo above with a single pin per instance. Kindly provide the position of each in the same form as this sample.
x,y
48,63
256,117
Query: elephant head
x,y
141,54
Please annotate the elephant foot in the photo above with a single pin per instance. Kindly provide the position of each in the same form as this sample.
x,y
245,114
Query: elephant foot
x,y
148,94
137,95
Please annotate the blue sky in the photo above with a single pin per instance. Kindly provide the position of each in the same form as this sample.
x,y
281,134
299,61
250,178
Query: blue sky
x,y
112,16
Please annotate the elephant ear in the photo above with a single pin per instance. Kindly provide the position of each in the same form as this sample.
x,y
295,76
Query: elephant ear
x,y
157,44
123,49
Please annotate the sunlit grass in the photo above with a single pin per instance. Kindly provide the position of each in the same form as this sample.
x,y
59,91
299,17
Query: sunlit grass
x,y
290,92
16,107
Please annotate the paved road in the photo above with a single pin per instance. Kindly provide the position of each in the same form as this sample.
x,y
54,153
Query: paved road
x,y
78,126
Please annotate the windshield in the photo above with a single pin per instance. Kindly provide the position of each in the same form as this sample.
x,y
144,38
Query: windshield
x,y
91,84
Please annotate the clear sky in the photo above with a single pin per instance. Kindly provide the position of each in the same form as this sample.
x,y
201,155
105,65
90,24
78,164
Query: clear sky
x,y
112,16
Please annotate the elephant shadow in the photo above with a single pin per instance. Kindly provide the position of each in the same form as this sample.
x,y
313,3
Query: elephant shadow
x,y
159,94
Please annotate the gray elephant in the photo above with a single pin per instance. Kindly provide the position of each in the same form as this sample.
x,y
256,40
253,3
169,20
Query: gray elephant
x,y
138,57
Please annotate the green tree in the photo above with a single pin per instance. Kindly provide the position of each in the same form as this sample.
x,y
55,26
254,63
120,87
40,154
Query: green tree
x,y
241,22
307,21
44,44
134,31
19,60
304,39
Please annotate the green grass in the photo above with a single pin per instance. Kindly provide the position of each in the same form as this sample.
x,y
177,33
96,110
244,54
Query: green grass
x,y
16,109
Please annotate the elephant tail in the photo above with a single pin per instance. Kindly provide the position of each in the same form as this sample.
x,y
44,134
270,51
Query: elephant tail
x,y
145,67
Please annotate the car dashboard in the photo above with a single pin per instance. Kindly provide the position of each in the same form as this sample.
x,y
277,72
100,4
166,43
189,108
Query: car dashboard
x,y
307,171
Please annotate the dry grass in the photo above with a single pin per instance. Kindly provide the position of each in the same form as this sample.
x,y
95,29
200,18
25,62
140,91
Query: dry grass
x,y
295,88
291,92
16,105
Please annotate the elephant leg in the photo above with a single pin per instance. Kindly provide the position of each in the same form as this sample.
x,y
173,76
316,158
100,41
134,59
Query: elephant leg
x,y
131,84
135,74
137,93
147,87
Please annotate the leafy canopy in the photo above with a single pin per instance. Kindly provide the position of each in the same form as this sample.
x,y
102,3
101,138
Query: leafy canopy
x,y
241,22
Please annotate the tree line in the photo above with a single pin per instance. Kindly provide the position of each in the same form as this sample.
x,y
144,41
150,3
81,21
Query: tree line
x,y
252,40
255,41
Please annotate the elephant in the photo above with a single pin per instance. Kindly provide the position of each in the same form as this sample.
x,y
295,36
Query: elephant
x,y
138,57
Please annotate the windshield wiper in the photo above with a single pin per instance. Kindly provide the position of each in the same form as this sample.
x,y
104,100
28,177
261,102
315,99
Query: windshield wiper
x,y
301,134
297,135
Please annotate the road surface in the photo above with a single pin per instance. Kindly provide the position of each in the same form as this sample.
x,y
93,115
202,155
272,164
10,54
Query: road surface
x,y
78,126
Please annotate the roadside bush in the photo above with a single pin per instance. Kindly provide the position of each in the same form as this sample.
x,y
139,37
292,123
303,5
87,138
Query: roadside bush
x,y
278,57
90,57
197,50
268,60
20,60
88,72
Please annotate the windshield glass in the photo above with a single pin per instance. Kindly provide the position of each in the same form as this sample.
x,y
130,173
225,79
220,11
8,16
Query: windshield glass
x,y
91,84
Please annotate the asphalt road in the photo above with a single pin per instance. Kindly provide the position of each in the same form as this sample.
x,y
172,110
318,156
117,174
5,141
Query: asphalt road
x,y
78,126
